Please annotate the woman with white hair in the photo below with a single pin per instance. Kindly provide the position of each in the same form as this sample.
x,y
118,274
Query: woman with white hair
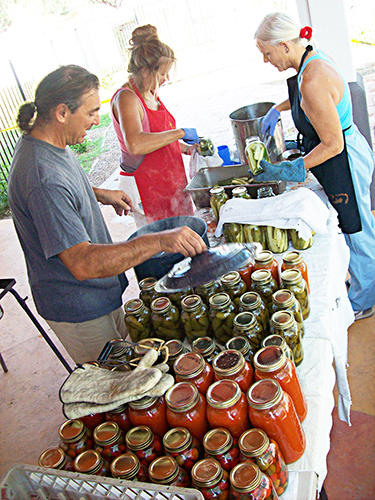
x,y
335,151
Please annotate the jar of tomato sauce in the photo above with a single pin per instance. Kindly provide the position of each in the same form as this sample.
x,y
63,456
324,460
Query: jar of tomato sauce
x,y
207,347
294,260
231,364
248,482
272,409
191,367
143,443
75,438
285,300
165,470
266,260
253,302
182,446
91,462
120,415
271,362
278,341
127,466
227,407
245,273
55,458
222,446
242,345
256,447
246,325
186,407
210,479
150,412
109,440
92,420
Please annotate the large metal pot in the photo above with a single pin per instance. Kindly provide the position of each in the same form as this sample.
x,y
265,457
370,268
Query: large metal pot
x,y
247,121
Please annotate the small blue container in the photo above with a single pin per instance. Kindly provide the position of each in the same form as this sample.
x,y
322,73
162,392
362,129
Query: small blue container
x,y
223,152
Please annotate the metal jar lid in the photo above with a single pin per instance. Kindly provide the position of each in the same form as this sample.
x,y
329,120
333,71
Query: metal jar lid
x,y
277,340
189,365
230,279
282,320
206,473
261,276
53,458
217,441
125,466
176,440
219,300
245,477
182,396
293,258
143,403
291,277
239,191
191,302
264,394
253,442
119,409
107,433
204,346
88,462
264,257
250,301
163,470
245,321
216,190
139,438
161,304
223,394
228,363
283,298
133,306
175,348
269,359
240,344
72,431
147,283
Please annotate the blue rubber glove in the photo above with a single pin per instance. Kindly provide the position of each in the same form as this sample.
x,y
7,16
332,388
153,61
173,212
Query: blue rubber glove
x,y
191,136
291,145
269,121
284,171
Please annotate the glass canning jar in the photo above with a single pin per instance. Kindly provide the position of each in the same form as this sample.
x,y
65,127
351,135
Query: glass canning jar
x,y
120,415
91,462
222,446
165,319
182,446
233,232
278,341
272,410
263,283
186,407
194,317
165,470
234,286
266,260
55,458
246,325
175,349
109,440
150,411
241,192
222,312
218,198
247,482
192,367
128,467
75,438
292,280
255,151
227,407
231,364
294,260
147,291
271,362
283,323
245,273
207,347
92,420
144,444
210,479
285,300
206,290
255,446
177,297
138,320
253,302
241,344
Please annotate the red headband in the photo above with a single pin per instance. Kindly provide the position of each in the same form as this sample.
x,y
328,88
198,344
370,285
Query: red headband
x,y
306,32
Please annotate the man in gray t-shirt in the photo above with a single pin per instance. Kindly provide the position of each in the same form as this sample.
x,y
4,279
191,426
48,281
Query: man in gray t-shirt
x,y
76,274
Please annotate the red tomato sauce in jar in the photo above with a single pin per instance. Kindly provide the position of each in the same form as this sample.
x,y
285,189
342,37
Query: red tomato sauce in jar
x,y
222,446
192,367
144,444
231,364
151,412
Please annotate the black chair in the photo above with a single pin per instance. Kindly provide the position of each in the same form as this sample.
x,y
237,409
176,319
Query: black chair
x,y
6,285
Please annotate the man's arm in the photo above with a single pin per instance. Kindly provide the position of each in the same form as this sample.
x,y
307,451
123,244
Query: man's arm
x,y
115,197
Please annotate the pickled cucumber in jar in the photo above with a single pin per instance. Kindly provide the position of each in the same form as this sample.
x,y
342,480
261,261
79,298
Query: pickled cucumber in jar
x,y
218,198
205,146
138,320
194,317
222,312
255,151
233,232
165,319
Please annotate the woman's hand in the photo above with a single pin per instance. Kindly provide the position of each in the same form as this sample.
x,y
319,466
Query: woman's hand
x,y
269,122
117,198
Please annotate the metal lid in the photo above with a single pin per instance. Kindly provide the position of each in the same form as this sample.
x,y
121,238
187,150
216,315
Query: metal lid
x,y
250,301
282,320
264,394
107,433
143,403
182,396
217,441
161,304
293,257
291,276
147,283
139,438
261,276
253,442
189,365
203,345
71,431
163,470
219,300
54,458
228,363
239,191
239,344
231,278
283,298
269,359
119,409
277,340
216,190
264,257
206,473
88,461
134,305
177,440
245,321
223,394
245,477
125,466
191,302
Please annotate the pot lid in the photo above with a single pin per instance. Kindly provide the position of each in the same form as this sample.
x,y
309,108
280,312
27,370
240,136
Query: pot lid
x,y
209,265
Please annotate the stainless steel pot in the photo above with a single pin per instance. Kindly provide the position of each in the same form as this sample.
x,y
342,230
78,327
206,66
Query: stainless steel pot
x,y
247,121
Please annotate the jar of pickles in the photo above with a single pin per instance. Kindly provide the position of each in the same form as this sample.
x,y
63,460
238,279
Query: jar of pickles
x,y
183,447
219,444
283,323
222,312
120,415
138,320
272,410
144,444
165,470
227,407
218,198
231,364
253,302
255,151
234,286
248,482
207,347
177,297
147,290
210,479
128,467
271,362
206,290
241,192
242,345
191,367
165,319
233,232
294,260
150,411
55,458
91,462
246,325
266,260
292,280
284,300
109,440
75,438
175,349
186,407
194,317
256,447
263,283
278,341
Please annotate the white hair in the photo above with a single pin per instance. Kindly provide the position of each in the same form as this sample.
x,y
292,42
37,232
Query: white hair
x,y
278,27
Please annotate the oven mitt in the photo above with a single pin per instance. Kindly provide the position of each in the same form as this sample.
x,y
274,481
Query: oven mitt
x,y
284,171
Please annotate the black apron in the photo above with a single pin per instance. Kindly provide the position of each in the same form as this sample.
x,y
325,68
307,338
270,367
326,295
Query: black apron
x,y
334,174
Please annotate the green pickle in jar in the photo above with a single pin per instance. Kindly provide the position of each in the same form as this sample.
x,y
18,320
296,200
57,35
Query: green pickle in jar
x,y
283,323
147,290
292,280
165,319
138,320
253,302
255,152
218,198
206,290
254,234
265,285
222,313
234,286
176,297
233,232
246,325
194,317
285,300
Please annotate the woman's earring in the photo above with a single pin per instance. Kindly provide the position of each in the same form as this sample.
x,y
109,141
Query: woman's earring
x,y
286,49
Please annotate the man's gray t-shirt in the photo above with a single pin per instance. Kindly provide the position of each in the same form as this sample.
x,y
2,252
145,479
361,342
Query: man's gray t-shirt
x,y
54,208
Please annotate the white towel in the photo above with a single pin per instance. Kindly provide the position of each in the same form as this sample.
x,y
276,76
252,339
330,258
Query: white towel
x,y
300,209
